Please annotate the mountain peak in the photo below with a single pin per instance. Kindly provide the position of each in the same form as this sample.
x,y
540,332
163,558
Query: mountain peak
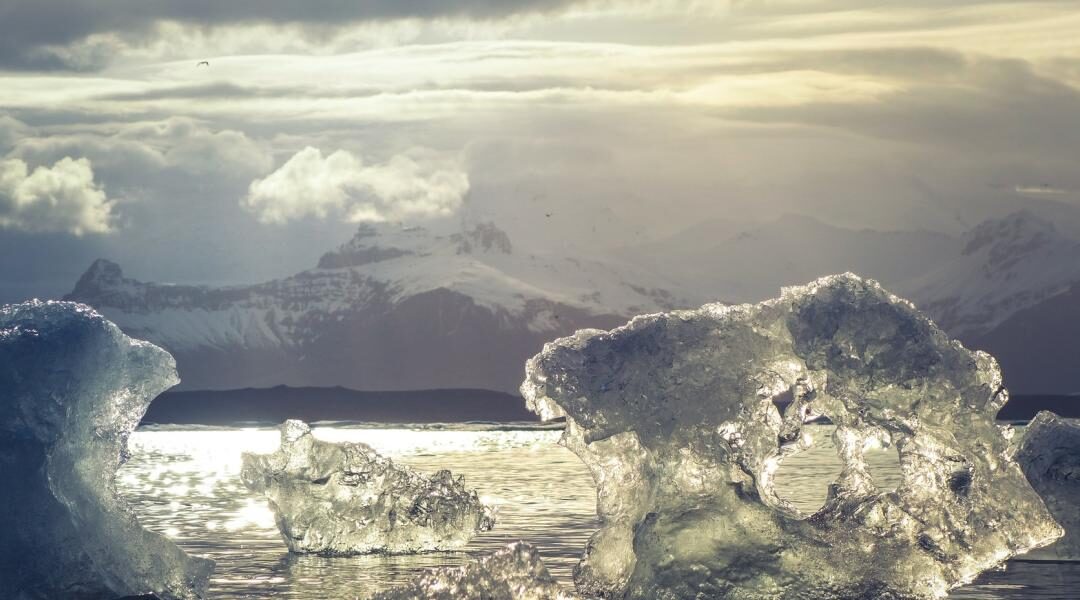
x,y
484,237
386,241
103,273
376,242
1018,231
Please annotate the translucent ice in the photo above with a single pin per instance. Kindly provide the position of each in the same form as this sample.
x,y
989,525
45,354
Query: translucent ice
x,y
72,388
677,417
514,573
1050,457
345,499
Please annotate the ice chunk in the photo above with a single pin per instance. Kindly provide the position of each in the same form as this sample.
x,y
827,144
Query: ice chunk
x,y
674,414
73,388
346,499
1050,457
514,573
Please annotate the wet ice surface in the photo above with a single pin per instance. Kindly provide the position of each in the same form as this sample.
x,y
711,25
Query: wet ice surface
x,y
186,484
1050,457
684,417
72,388
343,498
514,573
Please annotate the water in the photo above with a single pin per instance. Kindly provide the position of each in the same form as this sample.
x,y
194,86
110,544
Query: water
x,y
185,484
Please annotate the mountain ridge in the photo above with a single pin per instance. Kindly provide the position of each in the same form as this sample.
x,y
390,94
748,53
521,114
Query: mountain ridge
x,y
399,307
393,308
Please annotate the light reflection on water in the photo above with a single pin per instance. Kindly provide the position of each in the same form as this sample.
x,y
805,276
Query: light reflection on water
x,y
185,484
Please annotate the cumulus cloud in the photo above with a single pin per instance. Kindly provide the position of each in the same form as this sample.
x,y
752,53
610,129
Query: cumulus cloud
x,y
61,198
340,185
199,150
146,154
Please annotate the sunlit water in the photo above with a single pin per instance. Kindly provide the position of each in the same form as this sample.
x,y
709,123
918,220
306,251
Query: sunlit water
x,y
185,484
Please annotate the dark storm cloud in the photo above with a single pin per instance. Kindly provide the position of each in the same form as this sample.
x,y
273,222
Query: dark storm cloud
x,y
32,30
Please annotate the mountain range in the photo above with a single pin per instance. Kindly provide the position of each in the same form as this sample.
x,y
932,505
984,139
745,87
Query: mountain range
x,y
394,308
399,308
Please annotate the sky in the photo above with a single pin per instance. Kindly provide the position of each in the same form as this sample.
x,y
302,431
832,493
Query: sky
x,y
625,120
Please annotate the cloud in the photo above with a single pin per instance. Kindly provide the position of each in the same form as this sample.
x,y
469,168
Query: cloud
x,y
10,131
991,106
80,34
197,149
1040,190
61,198
890,115
141,154
341,185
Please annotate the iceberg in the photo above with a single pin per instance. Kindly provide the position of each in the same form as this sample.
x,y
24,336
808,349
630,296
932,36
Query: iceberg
x,y
513,573
73,388
684,417
1049,454
344,498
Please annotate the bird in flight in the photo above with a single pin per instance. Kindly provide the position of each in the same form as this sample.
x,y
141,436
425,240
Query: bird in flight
x,y
205,62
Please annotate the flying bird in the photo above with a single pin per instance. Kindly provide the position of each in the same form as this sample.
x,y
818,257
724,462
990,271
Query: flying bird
x,y
205,62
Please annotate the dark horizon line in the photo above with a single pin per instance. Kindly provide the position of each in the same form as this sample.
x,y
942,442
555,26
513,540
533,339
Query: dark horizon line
x,y
435,405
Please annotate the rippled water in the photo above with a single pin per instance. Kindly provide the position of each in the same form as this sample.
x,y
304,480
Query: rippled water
x,y
185,484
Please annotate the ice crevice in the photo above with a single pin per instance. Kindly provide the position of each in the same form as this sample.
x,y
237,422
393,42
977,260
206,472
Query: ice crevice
x,y
673,413
73,388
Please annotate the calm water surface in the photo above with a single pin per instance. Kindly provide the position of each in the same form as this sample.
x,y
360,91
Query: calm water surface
x,y
185,484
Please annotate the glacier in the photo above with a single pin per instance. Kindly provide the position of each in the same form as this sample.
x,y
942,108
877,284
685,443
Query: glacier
x,y
344,498
74,387
684,418
1050,458
513,573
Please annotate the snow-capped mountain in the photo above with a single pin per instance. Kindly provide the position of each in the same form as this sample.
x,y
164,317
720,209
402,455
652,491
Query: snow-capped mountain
x,y
1009,286
1013,291
405,308
739,262
1038,346
394,308
1006,265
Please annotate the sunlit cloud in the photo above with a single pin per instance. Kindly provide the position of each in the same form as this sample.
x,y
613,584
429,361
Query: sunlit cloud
x,y
887,116
340,185
1040,190
60,198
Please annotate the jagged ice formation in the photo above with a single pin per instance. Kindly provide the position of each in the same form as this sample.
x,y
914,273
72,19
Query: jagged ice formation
x,y
344,498
1050,457
514,573
72,388
674,414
